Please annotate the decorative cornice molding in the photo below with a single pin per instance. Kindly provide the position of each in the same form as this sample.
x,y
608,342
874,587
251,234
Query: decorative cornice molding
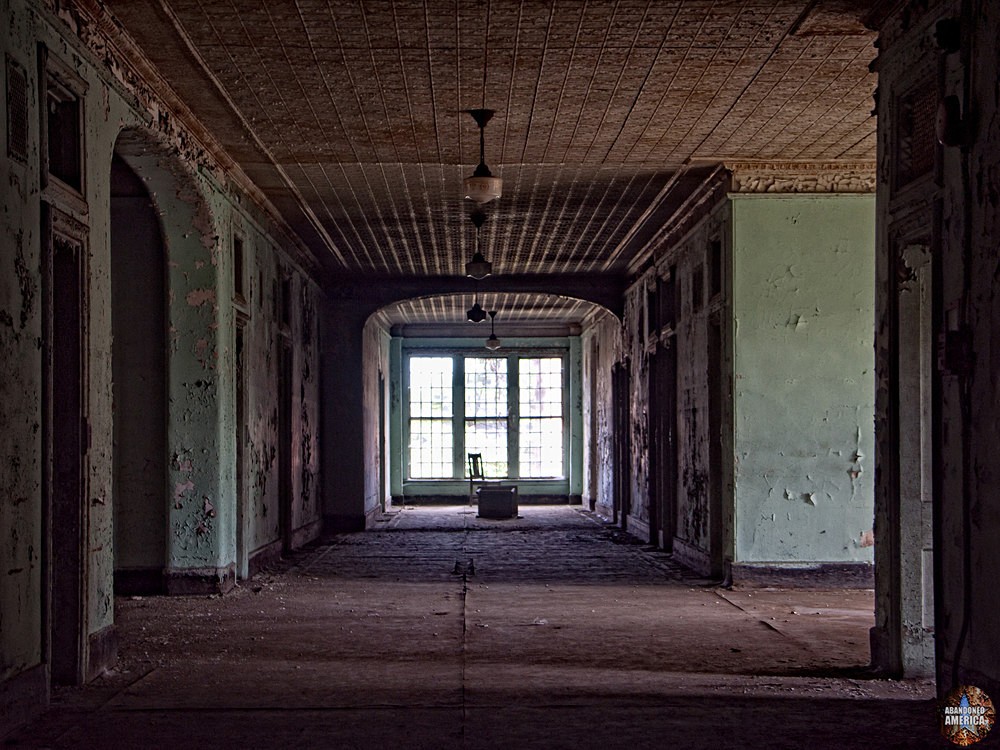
x,y
802,177
166,113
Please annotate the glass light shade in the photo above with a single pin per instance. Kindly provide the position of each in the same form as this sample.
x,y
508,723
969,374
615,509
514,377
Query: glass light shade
x,y
482,189
476,313
493,343
478,267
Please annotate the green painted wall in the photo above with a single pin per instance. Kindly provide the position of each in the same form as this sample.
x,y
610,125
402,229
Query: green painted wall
x,y
198,208
803,304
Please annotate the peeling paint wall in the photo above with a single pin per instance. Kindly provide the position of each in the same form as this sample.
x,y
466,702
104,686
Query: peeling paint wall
x,y
198,208
803,280
697,307
980,229
21,412
785,357
903,639
634,348
952,206
376,416
687,524
279,321
601,347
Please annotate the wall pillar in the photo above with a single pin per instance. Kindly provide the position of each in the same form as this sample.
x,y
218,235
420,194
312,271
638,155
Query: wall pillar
x,y
201,440
342,434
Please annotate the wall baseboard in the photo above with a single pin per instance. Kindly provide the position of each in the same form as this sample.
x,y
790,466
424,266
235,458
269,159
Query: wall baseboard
x,y
263,557
306,533
200,581
102,648
637,527
833,575
692,556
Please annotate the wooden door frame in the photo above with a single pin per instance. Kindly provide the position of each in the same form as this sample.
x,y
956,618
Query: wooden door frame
x,y
65,647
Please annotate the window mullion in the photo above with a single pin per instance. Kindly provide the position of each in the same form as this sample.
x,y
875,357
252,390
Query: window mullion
x,y
407,471
513,418
567,420
458,417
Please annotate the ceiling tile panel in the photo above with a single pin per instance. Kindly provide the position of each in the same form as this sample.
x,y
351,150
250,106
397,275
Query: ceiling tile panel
x,y
357,107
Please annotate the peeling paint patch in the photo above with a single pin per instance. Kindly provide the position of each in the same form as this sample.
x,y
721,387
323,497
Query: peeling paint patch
x,y
198,297
182,488
25,283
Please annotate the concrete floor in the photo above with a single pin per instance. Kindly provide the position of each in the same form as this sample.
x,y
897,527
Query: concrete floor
x,y
569,634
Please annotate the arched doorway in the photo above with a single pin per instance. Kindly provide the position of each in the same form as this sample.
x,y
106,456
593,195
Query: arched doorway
x,y
548,448
139,367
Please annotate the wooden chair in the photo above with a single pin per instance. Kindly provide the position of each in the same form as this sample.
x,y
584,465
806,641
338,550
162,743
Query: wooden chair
x,y
475,474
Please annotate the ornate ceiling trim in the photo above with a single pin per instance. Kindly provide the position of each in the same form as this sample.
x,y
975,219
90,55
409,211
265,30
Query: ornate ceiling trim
x,y
802,177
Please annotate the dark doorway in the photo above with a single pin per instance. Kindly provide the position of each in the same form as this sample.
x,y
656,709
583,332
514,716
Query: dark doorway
x,y
285,446
242,533
715,469
383,466
138,319
904,634
622,443
67,442
662,443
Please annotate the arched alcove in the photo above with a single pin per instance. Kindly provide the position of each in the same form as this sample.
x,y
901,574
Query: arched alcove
x,y
139,372
530,326
192,525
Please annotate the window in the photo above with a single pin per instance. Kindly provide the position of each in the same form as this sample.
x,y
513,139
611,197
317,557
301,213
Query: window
x,y
17,112
715,268
431,412
486,412
652,309
509,408
668,299
540,385
697,288
916,141
61,94
239,286
63,134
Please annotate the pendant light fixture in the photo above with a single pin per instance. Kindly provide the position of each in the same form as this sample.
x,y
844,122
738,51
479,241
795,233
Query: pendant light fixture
x,y
476,313
478,267
482,186
493,343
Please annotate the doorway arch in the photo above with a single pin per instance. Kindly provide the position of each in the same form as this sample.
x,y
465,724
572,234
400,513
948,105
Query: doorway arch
x,y
139,371
193,525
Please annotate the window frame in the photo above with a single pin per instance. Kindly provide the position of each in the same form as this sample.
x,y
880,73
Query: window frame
x,y
458,482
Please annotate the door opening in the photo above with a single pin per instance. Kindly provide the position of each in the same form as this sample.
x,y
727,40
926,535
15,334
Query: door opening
x,y
715,469
138,321
622,443
242,501
285,446
67,442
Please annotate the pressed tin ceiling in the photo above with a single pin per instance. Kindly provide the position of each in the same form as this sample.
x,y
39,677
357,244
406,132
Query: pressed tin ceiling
x,y
348,115
513,309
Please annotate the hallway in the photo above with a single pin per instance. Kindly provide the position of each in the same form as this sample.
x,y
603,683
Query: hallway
x,y
563,632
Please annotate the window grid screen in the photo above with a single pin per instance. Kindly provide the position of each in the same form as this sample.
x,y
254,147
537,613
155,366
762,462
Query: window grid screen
x,y
541,417
431,411
486,412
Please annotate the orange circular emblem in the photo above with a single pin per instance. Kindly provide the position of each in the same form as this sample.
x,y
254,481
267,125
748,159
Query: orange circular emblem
x,y
967,715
